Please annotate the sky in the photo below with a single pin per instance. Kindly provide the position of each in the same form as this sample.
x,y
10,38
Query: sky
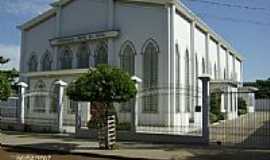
x,y
248,30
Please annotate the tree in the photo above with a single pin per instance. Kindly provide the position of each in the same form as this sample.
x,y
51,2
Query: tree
x,y
5,88
263,88
102,87
215,107
7,79
242,106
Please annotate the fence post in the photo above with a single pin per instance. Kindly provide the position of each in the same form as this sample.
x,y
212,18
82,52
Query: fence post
x,y
206,105
61,86
134,110
22,87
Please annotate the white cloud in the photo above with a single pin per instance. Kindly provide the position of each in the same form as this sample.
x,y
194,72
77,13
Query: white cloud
x,y
11,52
17,7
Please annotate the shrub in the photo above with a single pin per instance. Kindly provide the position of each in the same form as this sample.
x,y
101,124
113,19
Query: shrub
x,y
213,118
215,105
242,106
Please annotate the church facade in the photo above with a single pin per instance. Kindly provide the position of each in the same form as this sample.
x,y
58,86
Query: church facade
x,y
162,42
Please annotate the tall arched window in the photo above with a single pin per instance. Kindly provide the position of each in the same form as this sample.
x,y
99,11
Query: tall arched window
x,y
83,56
46,61
53,97
203,66
101,56
40,98
150,75
65,60
33,64
127,61
178,84
187,81
127,58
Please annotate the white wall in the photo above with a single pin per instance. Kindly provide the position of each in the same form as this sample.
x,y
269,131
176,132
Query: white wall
x,y
222,62
37,41
213,57
238,70
139,23
182,38
230,59
84,16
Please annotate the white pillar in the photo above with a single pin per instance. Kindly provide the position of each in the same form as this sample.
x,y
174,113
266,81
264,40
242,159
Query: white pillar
x,y
218,61
22,86
207,61
206,104
168,12
227,65
110,23
61,86
172,66
193,68
134,110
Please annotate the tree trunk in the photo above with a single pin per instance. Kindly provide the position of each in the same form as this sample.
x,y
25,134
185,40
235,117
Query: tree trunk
x,y
107,129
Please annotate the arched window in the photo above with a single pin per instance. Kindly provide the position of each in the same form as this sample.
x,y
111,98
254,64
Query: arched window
x,y
46,62
203,66
83,56
127,58
39,97
33,63
53,97
127,64
178,84
101,56
150,75
187,81
66,58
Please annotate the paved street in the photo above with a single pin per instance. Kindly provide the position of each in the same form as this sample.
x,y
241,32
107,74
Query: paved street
x,y
251,129
15,154
126,150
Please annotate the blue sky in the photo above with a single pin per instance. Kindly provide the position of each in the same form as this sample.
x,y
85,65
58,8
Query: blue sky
x,y
252,40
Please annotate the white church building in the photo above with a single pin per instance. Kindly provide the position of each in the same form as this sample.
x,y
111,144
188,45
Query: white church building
x,y
160,41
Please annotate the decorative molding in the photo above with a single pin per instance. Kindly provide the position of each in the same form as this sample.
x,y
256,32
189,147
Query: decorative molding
x,y
83,38
150,40
55,73
125,44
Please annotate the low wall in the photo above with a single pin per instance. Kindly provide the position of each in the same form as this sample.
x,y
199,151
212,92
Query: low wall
x,y
262,105
143,137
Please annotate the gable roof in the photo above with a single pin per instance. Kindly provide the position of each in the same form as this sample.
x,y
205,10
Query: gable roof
x,y
179,6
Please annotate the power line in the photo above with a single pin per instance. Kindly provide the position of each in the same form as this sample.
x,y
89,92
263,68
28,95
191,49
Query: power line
x,y
235,20
230,5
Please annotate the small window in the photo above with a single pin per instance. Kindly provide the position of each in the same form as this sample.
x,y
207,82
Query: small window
x,y
66,59
101,56
33,64
83,56
46,62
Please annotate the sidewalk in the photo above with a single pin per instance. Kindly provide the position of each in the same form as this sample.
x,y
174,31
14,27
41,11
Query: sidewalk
x,y
127,150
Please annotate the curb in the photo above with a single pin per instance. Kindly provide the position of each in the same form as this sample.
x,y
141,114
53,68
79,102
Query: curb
x,y
95,155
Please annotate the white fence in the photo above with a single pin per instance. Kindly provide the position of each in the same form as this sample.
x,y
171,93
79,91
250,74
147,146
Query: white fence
x,y
262,105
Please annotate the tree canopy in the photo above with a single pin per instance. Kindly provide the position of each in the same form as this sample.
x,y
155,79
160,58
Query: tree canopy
x,y
263,88
104,84
7,78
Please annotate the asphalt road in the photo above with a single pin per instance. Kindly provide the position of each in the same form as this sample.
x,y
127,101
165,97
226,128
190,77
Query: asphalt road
x,y
14,154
